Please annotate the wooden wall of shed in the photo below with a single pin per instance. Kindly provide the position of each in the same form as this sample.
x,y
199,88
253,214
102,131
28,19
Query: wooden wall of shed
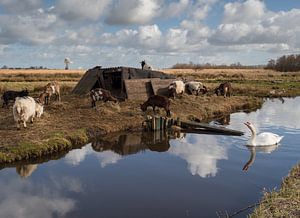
x,y
160,86
138,89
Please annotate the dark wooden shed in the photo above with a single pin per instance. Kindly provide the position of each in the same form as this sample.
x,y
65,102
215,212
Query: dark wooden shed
x,y
123,82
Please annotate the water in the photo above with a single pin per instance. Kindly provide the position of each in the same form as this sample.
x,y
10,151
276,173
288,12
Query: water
x,y
150,176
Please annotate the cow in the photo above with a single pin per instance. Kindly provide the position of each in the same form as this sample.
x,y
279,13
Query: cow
x,y
194,87
100,94
157,101
26,108
224,89
11,96
50,89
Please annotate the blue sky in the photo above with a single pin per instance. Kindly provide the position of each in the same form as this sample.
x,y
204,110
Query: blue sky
x,y
163,32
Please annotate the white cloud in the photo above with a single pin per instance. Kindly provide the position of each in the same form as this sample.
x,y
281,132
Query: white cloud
x,y
133,11
36,29
249,11
73,10
176,39
251,23
149,36
175,8
20,6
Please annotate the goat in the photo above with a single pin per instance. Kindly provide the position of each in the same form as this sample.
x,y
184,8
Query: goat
x,y
224,89
176,87
157,101
101,94
145,66
11,96
26,108
50,89
195,87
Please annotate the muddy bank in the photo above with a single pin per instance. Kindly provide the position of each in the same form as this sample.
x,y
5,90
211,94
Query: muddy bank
x,y
72,122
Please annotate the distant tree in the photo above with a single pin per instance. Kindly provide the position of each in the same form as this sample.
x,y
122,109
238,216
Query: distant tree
x,y
285,63
271,64
4,67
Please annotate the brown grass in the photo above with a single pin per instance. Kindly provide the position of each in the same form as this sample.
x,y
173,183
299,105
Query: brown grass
x,y
40,71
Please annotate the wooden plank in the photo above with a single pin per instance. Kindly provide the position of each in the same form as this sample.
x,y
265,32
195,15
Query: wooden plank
x,y
204,126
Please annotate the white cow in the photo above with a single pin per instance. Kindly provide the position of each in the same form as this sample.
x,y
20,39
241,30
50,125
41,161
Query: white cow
x,y
176,88
194,87
26,108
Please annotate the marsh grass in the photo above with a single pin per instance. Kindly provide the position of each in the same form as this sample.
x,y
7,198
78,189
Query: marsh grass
x,y
284,202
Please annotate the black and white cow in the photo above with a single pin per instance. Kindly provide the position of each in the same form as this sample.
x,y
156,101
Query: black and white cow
x,y
99,94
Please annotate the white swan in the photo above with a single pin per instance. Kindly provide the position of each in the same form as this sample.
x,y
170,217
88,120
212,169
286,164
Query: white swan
x,y
262,139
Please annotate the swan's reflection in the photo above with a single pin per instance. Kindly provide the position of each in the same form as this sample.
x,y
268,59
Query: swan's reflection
x,y
261,149
26,170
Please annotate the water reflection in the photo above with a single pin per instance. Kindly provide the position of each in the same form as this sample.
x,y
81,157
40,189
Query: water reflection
x,y
110,148
225,120
201,152
26,170
23,198
261,149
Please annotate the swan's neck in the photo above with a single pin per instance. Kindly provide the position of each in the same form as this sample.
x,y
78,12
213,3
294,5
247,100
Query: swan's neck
x,y
253,135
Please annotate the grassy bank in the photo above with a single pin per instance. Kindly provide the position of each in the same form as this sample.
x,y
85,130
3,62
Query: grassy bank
x,y
58,128
284,202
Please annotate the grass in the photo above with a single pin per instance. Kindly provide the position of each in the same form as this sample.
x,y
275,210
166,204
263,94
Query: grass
x,y
282,203
55,142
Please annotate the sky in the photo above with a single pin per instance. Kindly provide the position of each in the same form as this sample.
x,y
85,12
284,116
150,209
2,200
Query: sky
x,y
113,33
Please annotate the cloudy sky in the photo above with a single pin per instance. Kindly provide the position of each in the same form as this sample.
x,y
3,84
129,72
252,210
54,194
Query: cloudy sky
x,y
163,32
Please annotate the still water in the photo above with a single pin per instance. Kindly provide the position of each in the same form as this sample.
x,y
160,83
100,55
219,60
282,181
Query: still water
x,y
140,175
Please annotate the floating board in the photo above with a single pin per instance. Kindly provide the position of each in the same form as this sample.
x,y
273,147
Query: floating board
x,y
163,123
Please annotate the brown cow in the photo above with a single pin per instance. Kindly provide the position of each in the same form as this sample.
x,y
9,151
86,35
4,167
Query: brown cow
x,y
224,89
50,89
157,101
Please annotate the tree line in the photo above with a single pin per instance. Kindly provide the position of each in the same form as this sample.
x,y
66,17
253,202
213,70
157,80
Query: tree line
x,y
191,65
285,63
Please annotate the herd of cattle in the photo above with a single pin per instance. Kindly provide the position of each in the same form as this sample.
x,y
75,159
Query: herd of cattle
x,y
26,108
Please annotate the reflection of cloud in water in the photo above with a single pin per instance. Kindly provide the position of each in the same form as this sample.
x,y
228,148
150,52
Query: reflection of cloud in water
x,y
273,113
18,200
76,156
108,157
201,153
105,158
